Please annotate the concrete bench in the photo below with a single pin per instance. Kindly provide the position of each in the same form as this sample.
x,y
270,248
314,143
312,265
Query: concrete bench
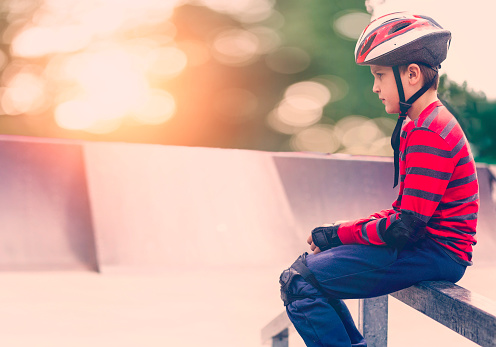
x,y
469,314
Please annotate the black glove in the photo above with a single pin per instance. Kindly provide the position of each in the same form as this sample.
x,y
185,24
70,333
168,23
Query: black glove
x,y
405,230
326,237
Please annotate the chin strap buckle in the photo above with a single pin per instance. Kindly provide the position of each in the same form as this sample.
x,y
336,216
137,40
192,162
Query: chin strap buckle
x,y
404,107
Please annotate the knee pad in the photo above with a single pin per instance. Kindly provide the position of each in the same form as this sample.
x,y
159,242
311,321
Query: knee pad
x,y
299,268
285,280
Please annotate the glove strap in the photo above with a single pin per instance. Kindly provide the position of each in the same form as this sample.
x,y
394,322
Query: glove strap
x,y
326,237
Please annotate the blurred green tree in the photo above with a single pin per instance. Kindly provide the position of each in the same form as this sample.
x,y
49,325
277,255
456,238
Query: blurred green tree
x,y
311,26
476,115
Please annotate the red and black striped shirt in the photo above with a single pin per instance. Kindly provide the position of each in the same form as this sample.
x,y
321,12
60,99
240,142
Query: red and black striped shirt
x,y
438,185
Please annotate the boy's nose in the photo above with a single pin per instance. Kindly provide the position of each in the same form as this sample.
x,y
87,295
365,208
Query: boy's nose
x,y
375,88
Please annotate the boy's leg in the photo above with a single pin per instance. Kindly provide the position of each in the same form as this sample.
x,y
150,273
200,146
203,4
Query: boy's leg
x,y
363,271
360,271
324,320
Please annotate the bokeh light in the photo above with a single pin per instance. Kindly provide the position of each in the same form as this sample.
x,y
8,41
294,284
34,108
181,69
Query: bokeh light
x,y
111,84
355,135
247,11
236,47
307,95
301,106
158,107
167,61
319,138
268,39
193,70
336,85
275,122
350,24
38,41
361,135
24,91
76,114
226,6
298,112
93,75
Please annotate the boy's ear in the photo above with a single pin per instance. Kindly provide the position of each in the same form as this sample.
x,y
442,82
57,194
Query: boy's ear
x,y
414,74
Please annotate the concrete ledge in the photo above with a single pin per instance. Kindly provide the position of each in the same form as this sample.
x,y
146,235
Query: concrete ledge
x,y
276,327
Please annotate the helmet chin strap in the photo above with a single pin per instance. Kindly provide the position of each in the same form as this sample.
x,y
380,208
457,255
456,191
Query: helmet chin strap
x,y
404,107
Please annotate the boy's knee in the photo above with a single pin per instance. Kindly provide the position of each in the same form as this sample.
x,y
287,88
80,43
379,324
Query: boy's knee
x,y
297,282
286,280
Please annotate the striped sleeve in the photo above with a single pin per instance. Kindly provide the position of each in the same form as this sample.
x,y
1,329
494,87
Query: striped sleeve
x,y
426,169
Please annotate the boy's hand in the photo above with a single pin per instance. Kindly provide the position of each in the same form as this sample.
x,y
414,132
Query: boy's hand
x,y
313,247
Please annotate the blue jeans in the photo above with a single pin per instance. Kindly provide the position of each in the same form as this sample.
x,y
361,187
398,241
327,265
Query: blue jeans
x,y
355,272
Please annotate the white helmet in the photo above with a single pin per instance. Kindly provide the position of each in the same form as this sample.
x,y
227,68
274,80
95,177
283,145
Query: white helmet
x,y
401,38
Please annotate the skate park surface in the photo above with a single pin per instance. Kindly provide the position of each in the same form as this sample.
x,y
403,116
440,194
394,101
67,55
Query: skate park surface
x,y
147,245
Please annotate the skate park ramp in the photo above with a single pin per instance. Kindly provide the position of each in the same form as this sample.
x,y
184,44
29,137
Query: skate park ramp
x,y
45,216
150,245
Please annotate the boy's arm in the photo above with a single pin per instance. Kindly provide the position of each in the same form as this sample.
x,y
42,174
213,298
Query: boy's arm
x,y
429,165
382,214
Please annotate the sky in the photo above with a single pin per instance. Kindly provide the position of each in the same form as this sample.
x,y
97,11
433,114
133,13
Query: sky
x,y
470,26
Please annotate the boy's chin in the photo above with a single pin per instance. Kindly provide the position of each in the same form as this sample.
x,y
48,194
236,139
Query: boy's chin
x,y
392,111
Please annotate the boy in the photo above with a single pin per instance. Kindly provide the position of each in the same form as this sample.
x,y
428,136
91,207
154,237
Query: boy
x,y
429,232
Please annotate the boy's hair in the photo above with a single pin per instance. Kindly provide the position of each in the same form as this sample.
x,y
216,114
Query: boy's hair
x,y
428,73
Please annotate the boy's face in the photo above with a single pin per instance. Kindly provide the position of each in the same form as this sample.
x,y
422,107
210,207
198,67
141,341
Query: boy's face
x,y
385,87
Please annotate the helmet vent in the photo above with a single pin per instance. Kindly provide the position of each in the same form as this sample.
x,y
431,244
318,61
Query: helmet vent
x,y
398,27
368,44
